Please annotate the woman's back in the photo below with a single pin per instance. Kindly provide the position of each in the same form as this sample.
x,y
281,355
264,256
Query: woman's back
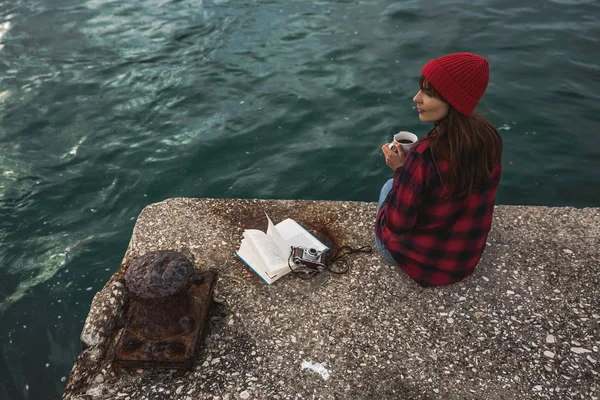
x,y
436,239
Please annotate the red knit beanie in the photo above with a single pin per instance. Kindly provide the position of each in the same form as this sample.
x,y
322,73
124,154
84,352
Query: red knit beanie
x,y
461,78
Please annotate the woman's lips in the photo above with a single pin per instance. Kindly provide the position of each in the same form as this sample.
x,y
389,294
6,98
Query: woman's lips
x,y
420,111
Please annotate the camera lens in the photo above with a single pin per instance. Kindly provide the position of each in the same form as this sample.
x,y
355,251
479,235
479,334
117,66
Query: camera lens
x,y
312,252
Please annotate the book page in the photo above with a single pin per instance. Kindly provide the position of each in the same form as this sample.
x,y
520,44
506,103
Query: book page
x,y
266,249
284,248
248,255
295,235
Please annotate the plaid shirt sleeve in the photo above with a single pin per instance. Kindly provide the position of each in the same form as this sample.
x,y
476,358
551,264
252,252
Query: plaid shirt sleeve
x,y
398,213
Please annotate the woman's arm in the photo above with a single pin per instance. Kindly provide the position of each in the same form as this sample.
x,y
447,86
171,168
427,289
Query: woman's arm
x,y
399,211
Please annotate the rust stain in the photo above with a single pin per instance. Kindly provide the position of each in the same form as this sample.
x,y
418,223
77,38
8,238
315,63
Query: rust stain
x,y
323,234
251,215
244,217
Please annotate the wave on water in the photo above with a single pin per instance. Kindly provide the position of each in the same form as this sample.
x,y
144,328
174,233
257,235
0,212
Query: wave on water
x,y
4,27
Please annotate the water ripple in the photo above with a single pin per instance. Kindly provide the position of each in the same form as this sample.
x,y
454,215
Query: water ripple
x,y
107,106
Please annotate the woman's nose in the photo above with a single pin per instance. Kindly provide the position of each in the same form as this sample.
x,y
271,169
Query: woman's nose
x,y
417,98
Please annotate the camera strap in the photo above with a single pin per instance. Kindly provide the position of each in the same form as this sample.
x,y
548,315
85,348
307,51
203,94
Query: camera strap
x,y
340,263
336,264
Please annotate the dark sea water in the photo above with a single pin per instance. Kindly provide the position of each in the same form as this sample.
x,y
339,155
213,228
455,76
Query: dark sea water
x,y
107,106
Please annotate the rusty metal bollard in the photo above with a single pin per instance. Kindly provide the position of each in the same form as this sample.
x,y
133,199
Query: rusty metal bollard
x,y
168,311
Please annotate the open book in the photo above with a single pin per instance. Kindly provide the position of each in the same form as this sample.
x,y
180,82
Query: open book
x,y
268,254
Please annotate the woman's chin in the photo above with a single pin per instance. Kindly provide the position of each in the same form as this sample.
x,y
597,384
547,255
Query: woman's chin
x,y
425,119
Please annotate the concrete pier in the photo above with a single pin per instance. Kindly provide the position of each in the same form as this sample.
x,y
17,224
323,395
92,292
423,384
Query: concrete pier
x,y
525,325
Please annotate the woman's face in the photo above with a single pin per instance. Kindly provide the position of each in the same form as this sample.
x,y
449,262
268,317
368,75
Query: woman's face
x,y
430,109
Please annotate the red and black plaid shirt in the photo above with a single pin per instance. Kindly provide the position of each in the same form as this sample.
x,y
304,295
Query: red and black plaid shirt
x,y
436,241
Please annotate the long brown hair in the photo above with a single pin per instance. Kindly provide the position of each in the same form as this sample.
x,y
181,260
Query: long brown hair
x,y
471,145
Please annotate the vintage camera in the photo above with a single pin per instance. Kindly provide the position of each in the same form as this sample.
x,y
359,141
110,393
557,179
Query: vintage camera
x,y
308,260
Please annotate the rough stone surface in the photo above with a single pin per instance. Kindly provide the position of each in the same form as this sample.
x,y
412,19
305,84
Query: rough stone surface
x,y
526,324
107,305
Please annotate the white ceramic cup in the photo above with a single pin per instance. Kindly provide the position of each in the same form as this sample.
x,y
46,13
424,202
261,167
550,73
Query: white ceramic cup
x,y
404,136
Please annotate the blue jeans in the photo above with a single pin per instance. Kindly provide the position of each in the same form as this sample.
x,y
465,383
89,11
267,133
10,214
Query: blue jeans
x,y
382,195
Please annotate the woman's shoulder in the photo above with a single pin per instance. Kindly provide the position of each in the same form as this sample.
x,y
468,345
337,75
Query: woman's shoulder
x,y
423,150
422,145
422,155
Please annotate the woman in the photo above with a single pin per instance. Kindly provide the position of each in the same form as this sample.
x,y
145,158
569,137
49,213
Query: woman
x,y
434,216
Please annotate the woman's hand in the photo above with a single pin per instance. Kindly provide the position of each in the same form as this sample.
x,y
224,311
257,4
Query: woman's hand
x,y
394,160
